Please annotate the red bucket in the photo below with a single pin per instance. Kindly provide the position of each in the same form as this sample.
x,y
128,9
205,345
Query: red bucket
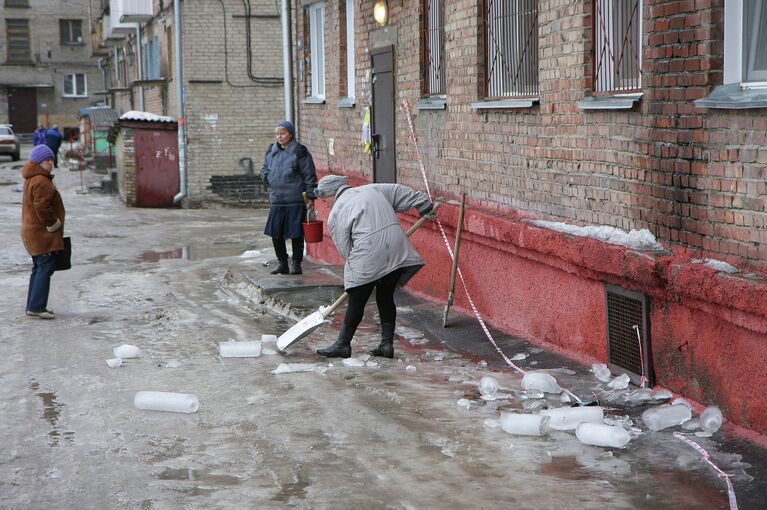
x,y
313,232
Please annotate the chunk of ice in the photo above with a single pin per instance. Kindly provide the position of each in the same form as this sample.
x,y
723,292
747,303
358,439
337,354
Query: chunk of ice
x,y
691,424
681,401
232,349
530,394
711,419
371,364
491,423
619,383
524,424
540,381
114,362
464,403
173,363
599,434
659,418
290,368
166,401
532,406
267,351
601,372
519,356
662,394
353,362
250,254
410,368
568,418
126,351
488,386
268,338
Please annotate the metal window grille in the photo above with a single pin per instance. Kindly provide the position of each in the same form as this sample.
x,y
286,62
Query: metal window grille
x,y
434,47
617,45
511,48
754,40
626,309
17,32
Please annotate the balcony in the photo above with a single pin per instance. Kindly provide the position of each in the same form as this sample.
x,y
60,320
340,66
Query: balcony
x,y
98,48
136,11
115,14
109,36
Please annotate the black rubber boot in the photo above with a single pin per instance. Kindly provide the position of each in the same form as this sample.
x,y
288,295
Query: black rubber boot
x,y
282,268
295,267
342,347
386,347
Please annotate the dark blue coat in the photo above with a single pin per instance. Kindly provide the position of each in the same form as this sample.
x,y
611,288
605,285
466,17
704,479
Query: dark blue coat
x,y
53,140
289,172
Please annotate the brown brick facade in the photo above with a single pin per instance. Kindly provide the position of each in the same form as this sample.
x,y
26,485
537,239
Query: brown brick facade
x,y
694,177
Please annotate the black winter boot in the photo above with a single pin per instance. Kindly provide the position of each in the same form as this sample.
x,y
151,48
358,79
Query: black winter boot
x,y
295,267
282,268
386,347
342,347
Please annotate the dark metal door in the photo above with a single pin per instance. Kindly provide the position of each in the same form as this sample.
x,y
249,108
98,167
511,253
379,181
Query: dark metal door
x,y
384,149
22,109
156,167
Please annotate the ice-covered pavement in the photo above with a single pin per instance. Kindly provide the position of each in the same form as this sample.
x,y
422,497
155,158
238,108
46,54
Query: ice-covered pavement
x,y
412,433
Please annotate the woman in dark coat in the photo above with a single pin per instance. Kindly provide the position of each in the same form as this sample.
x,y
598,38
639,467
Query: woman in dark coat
x,y
289,170
42,227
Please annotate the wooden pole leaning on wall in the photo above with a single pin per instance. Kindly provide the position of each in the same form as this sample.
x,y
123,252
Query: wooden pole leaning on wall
x,y
454,269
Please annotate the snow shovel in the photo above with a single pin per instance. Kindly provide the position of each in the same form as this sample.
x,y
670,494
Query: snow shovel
x,y
316,319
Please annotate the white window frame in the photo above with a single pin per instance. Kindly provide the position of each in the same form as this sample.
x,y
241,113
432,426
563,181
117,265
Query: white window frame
x,y
733,46
316,14
350,74
73,77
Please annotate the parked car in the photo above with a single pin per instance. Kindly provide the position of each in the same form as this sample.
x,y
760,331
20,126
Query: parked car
x,y
9,144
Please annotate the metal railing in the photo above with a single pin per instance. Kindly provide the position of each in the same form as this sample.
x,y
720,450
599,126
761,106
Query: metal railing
x,y
617,46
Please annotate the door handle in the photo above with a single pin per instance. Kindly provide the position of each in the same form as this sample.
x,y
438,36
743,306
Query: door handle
x,y
375,138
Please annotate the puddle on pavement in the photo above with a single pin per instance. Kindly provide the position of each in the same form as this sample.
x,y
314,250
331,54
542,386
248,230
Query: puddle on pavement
x,y
214,251
51,413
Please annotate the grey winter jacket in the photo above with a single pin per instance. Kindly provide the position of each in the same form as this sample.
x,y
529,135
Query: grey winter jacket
x,y
289,172
364,226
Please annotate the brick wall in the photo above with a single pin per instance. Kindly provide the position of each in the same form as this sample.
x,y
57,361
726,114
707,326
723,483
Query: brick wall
x,y
229,115
693,177
126,166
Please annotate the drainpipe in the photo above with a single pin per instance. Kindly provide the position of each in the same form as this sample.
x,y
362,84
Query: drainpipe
x,y
287,59
179,103
139,67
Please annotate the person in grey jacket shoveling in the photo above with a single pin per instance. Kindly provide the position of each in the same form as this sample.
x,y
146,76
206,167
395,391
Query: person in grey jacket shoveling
x,y
364,226
289,171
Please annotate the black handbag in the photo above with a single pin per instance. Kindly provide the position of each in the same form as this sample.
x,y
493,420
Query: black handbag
x,y
63,258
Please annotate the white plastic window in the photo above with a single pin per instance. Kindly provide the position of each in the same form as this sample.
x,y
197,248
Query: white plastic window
x,y
317,48
75,85
350,49
745,43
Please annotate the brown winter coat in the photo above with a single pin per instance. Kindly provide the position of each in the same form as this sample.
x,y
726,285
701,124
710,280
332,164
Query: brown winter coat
x,y
41,207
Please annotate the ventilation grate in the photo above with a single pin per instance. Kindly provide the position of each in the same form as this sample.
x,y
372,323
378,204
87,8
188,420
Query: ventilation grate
x,y
626,309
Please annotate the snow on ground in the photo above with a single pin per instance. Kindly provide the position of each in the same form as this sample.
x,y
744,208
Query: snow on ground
x,y
636,239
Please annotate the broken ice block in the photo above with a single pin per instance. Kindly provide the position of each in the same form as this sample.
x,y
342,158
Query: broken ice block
x,y
232,349
532,406
114,362
126,351
619,383
691,424
540,381
166,401
173,363
290,368
410,368
661,394
568,418
464,403
659,418
601,372
519,356
524,424
268,338
599,434
711,419
488,386
681,401
353,362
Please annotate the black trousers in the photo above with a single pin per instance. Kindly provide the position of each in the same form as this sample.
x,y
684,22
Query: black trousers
x,y
281,251
358,298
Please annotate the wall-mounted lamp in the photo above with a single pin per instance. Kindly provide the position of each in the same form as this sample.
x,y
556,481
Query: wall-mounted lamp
x,y
381,12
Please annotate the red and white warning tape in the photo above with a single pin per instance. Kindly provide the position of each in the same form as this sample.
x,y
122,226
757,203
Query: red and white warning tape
x,y
405,105
720,473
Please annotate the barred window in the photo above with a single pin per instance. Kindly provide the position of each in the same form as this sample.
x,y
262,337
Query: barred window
x,y
617,45
433,82
511,48
19,49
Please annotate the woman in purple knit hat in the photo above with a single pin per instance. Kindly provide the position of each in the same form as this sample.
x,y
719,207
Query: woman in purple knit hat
x,y
42,227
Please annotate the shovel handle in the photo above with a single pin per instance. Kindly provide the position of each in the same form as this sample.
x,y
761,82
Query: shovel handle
x,y
332,308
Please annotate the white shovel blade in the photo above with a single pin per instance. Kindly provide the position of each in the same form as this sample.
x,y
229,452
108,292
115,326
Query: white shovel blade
x,y
300,330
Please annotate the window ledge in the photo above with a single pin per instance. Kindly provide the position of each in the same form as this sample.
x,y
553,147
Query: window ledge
x,y
314,100
614,102
346,102
735,97
506,103
431,103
